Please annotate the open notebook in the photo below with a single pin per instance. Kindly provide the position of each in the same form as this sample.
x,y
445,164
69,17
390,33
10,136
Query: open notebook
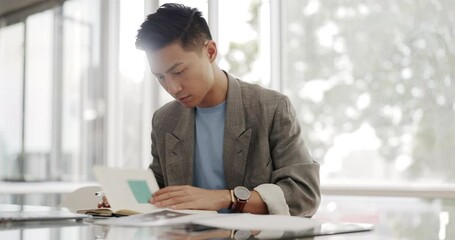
x,y
128,192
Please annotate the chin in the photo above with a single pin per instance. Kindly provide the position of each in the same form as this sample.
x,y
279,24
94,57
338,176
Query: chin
x,y
188,105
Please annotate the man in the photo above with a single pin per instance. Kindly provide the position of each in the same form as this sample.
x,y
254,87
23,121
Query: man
x,y
222,143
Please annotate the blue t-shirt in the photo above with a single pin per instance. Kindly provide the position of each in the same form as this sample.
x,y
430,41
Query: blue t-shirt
x,y
208,159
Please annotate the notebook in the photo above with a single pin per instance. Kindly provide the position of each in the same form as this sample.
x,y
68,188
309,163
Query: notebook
x,y
127,190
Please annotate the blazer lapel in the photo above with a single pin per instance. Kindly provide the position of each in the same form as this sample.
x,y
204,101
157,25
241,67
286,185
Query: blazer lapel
x,y
179,147
236,137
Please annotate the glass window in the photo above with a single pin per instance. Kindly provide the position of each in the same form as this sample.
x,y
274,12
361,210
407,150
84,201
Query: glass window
x,y
83,101
244,40
38,94
11,89
132,90
373,84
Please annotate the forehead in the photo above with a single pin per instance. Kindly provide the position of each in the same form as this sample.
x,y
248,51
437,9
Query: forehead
x,y
160,60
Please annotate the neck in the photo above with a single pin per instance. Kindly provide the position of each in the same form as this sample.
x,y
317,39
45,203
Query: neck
x,y
218,93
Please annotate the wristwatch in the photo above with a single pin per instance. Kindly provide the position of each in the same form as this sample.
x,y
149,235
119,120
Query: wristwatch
x,y
239,197
240,234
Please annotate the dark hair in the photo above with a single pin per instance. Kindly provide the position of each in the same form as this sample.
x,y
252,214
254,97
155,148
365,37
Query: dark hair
x,y
170,23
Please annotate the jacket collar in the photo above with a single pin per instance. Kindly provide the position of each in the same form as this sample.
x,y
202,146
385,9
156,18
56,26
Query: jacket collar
x,y
179,145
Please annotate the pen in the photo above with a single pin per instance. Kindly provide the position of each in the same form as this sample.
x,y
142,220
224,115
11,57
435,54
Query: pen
x,y
99,193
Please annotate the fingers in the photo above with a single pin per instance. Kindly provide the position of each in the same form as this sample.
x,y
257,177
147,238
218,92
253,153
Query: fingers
x,y
104,203
171,199
188,197
176,197
169,189
169,192
177,203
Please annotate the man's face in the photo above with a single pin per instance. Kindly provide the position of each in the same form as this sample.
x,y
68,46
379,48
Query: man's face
x,y
186,75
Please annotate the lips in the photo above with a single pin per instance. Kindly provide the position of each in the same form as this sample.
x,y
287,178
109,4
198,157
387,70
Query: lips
x,y
184,99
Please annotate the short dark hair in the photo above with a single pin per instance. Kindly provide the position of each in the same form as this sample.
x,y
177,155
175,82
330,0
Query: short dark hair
x,y
170,23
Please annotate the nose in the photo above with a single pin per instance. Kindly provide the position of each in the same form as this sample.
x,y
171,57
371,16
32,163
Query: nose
x,y
173,86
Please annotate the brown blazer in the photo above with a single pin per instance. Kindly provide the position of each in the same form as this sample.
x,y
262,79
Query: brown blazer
x,y
262,144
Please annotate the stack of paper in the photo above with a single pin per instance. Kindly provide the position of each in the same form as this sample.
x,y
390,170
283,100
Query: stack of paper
x,y
243,221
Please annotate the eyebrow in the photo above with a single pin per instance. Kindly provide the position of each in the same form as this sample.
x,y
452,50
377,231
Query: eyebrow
x,y
171,68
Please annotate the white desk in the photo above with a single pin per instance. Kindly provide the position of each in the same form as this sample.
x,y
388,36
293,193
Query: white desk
x,y
38,193
394,218
42,187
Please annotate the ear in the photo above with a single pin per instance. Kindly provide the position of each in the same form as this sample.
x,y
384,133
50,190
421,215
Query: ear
x,y
212,50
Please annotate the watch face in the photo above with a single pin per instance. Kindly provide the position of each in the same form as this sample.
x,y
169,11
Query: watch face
x,y
242,234
242,193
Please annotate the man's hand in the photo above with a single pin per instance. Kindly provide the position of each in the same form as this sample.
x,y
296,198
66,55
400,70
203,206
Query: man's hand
x,y
188,197
104,203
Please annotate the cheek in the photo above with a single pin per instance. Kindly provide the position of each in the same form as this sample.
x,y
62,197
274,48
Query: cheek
x,y
163,84
205,74
198,79
194,78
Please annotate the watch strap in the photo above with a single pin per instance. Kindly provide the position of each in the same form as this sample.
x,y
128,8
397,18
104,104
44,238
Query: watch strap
x,y
238,206
232,198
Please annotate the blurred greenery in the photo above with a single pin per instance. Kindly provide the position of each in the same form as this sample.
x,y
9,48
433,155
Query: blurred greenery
x,y
388,64
241,56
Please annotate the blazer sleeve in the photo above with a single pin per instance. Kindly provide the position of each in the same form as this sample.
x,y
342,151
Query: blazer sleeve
x,y
156,164
295,172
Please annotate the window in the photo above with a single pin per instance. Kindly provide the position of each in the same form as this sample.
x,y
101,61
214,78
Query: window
x,y
80,112
244,43
373,84
38,95
51,92
135,118
11,99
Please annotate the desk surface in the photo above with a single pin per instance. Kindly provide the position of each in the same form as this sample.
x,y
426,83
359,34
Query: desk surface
x,y
24,188
394,218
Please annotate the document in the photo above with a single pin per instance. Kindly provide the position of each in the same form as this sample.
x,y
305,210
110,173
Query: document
x,y
228,226
163,217
246,221
243,221
209,225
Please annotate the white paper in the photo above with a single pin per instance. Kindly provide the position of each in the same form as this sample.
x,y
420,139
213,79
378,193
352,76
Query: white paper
x,y
244,221
158,218
115,186
225,221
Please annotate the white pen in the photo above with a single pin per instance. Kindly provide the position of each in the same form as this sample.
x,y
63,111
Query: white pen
x,y
99,193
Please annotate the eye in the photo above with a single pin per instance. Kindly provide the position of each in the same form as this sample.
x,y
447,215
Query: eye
x,y
179,72
159,77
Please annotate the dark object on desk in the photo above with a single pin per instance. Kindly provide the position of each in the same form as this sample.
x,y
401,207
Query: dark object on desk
x,y
28,216
107,212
